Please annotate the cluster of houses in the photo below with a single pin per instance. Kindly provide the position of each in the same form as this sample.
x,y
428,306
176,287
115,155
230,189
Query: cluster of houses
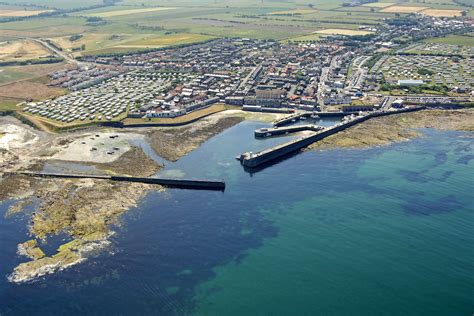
x,y
251,73
190,94
237,72
289,78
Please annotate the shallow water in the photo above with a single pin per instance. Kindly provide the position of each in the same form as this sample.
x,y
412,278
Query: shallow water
x,y
385,230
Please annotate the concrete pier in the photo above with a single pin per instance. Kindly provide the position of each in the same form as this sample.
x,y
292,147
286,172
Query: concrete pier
x,y
173,183
294,117
253,160
274,131
289,119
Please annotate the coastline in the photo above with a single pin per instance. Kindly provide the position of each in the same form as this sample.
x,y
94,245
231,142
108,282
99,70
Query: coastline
x,y
402,127
85,209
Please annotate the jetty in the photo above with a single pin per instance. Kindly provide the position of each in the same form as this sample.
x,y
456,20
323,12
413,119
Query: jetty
x,y
303,115
172,183
253,160
290,119
273,131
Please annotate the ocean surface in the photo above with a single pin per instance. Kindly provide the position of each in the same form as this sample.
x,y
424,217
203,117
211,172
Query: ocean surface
x,y
380,231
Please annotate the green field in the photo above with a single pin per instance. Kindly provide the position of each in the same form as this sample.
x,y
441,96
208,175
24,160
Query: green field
x,y
113,13
306,38
8,104
10,74
132,25
454,40
58,4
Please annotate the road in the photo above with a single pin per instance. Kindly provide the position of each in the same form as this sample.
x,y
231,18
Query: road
x,y
69,59
358,77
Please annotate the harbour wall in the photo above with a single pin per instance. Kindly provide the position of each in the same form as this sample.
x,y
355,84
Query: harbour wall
x,y
267,132
174,183
254,160
287,120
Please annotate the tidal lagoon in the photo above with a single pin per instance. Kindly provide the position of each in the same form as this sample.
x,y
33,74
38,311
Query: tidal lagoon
x,y
383,230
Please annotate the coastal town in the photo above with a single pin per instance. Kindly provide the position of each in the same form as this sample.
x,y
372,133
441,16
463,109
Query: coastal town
x,y
339,73
162,112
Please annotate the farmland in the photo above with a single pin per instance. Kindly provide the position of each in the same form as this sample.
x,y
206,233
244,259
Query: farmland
x,y
441,49
342,32
21,13
462,40
19,83
403,9
378,4
442,13
9,104
132,25
166,40
20,50
108,14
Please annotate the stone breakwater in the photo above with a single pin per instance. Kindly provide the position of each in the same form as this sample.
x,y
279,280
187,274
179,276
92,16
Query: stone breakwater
x,y
174,183
253,160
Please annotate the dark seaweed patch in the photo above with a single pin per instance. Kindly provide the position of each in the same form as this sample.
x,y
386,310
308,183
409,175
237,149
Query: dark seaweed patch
x,y
417,206
465,159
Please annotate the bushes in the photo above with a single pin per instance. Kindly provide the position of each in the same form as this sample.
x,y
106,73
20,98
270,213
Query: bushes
x,y
424,72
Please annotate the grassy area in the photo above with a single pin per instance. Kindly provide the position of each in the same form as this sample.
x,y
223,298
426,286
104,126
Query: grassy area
x,y
131,25
21,13
453,40
112,13
11,74
59,4
9,104
21,50
442,13
45,27
294,12
180,120
306,38
378,4
342,32
166,40
8,74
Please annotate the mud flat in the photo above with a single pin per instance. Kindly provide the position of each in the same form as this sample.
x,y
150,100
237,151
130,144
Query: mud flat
x,y
132,163
174,143
396,128
100,147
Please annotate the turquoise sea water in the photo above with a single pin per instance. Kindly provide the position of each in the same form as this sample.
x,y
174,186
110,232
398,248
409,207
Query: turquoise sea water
x,y
379,231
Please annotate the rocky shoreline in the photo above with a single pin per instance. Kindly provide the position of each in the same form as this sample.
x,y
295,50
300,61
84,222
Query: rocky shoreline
x,y
397,128
85,209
